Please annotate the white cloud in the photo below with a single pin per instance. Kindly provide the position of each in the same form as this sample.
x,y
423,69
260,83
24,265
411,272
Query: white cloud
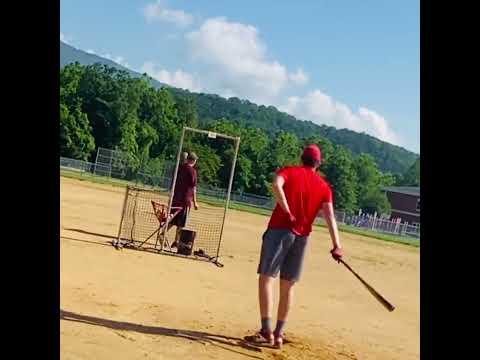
x,y
118,59
380,124
64,38
299,77
237,60
160,12
178,78
323,109
90,51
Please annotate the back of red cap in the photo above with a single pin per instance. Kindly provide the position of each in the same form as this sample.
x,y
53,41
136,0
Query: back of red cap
x,y
313,152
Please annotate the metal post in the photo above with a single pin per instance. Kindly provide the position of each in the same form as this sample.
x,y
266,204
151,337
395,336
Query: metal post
x,y
170,199
230,182
110,164
96,160
123,215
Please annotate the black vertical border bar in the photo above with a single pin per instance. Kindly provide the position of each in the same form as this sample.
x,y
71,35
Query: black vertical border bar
x,y
427,327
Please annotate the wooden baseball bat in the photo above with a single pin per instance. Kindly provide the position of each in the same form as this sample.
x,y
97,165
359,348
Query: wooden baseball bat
x,y
379,297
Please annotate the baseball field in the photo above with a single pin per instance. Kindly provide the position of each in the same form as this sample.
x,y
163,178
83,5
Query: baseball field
x,y
137,305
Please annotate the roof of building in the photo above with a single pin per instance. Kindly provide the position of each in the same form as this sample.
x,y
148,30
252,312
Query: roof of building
x,y
408,190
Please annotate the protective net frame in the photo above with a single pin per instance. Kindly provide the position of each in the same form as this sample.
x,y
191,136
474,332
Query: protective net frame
x,y
147,213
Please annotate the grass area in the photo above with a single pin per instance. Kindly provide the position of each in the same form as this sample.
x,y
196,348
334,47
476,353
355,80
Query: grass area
x,y
209,200
406,240
83,176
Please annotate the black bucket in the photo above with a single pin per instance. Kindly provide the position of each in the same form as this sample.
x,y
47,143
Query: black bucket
x,y
185,244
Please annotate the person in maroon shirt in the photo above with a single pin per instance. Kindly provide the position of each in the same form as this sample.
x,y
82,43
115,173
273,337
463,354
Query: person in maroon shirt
x,y
301,193
185,193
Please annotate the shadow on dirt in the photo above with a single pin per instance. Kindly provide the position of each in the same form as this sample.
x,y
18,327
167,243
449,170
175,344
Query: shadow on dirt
x,y
200,336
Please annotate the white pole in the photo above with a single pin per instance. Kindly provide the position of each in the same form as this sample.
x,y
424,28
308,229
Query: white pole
x,y
96,161
170,199
230,182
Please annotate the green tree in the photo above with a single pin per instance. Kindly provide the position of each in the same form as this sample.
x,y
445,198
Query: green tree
x,y
388,179
267,118
209,165
252,156
412,176
186,111
106,107
254,146
371,197
76,140
341,174
285,150
375,201
146,137
160,112
70,77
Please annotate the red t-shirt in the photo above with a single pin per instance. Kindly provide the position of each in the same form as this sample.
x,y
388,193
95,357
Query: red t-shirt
x,y
306,191
186,181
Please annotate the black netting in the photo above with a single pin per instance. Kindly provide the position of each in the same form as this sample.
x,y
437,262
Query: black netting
x,y
141,228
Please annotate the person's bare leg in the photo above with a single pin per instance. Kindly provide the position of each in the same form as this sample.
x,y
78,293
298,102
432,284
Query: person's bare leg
x,y
177,237
265,297
285,302
286,299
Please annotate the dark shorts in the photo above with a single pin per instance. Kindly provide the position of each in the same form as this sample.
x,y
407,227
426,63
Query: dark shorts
x,y
284,252
181,218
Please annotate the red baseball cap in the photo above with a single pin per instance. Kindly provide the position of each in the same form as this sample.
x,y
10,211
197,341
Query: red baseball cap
x,y
313,152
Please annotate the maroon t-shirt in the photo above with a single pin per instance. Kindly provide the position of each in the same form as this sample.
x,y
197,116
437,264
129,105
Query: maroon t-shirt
x,y
186,181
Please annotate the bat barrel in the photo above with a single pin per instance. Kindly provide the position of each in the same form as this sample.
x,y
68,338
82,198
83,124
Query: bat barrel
x,y
375,293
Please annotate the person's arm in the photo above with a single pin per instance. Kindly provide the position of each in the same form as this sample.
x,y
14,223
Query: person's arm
x,y
194,184
195,204
277,189
329,216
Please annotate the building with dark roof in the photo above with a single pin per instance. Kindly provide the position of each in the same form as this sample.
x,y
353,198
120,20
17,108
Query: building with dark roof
x,y
405,203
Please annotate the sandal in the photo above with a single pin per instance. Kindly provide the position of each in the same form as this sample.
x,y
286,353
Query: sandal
x,y
278,341
261,337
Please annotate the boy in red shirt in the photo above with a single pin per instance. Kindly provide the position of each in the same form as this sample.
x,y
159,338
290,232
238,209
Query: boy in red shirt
x,y
300,193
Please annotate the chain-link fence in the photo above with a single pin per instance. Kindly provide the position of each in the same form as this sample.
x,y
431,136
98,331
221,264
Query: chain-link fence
x,y
111,163
163,181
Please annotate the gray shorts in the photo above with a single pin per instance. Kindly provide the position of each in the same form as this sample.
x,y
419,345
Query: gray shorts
x,y
282,251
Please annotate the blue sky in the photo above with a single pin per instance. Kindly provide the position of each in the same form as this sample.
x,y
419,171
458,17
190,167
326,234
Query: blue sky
x,y
345,63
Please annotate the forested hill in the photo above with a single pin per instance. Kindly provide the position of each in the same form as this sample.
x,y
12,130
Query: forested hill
x,y
101,106
389,157
69,54
211,107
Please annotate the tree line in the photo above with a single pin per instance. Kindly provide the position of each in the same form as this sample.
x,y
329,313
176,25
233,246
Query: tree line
x,y
101,106
389,157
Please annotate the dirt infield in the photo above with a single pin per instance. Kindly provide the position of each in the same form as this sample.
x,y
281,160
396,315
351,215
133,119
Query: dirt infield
x,y
136,305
